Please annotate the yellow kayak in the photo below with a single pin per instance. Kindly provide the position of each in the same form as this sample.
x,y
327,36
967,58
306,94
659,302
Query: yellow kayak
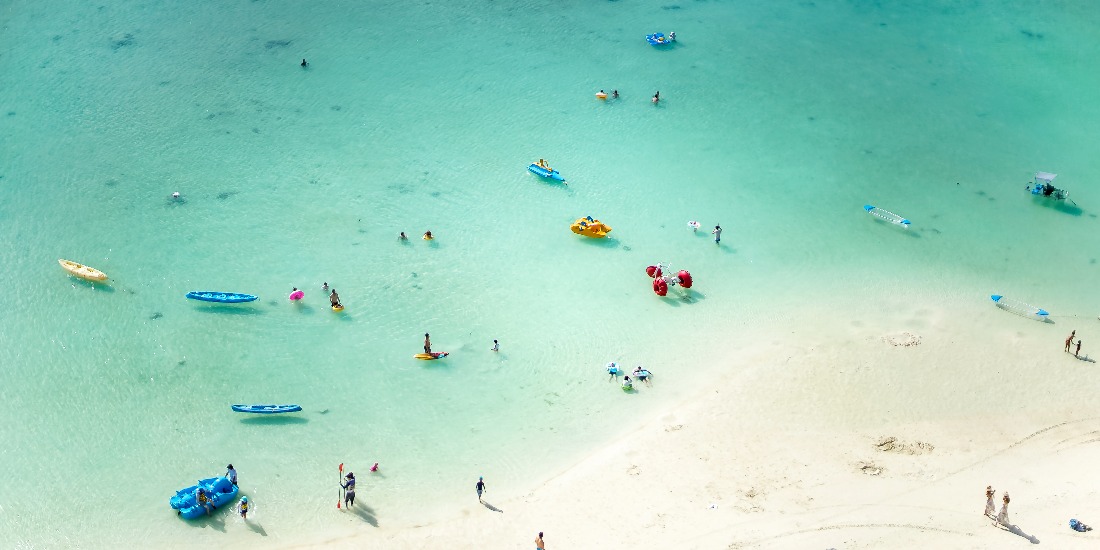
x,y
590,228
83,271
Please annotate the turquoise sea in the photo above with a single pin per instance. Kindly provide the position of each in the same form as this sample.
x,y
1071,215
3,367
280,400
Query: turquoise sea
x,y
779,120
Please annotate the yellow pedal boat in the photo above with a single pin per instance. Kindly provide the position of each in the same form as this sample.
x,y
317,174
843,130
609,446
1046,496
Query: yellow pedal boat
x,y
590,228
83,271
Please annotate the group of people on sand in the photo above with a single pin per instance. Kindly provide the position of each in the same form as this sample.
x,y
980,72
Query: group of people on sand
x,y
1069,342
1002,517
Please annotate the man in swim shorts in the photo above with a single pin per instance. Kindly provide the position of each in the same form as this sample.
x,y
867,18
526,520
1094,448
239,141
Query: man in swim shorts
x,y
427,343
334,299
480,487
717,234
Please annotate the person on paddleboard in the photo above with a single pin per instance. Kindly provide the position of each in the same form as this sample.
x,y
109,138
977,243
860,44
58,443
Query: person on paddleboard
x,y
427,343
334,299
349,489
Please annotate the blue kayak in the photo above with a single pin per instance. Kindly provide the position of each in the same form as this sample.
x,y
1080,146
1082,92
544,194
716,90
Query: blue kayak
x,y
219,491
659,39
221,297
540,171
267,409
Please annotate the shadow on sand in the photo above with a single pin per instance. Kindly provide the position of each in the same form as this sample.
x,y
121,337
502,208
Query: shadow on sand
x,y
1015,530
491,507
256,528
366,513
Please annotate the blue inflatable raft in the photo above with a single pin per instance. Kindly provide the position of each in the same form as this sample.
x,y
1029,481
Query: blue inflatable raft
x,y
266,409
219,491
659,39
221,297
540,171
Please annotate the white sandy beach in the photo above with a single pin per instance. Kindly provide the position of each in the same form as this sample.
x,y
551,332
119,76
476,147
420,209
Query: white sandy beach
x,y
795,449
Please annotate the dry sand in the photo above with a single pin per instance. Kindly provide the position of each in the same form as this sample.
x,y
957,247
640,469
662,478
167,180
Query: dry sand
x,y
854,437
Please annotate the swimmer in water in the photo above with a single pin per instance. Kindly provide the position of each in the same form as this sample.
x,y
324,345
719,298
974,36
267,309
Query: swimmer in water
x,y
657,96
304,64
324,287
428,236
402,237
176,195
615,94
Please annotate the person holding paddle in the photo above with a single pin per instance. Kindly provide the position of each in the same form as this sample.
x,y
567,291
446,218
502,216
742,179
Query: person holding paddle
x,y
349,489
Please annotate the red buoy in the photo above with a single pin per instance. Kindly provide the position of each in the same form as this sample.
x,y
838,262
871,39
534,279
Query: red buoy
x,y
660,287
685,278
650,270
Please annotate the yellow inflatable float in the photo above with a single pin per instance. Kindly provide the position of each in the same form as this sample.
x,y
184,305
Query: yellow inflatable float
x,y
84,272
590,228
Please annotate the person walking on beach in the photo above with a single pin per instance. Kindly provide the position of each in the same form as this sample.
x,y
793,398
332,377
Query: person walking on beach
x,y
539,543
349,490
231,474
334,299
717,234
1002,517
480,487
496,346
990,507
427,343
1077,351
1070,339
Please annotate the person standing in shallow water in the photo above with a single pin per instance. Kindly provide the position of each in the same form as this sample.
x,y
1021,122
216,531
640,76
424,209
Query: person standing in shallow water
x,y
1077,352
1069,340
427,343
717,234
990,507
656,97
304,63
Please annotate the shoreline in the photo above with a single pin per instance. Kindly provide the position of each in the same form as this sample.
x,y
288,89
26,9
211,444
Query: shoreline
x,y
721,468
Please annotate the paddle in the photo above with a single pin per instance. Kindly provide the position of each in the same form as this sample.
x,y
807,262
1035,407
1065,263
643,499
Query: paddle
x,y
340,494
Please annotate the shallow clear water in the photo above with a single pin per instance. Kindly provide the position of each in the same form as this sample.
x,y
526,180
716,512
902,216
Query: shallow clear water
x,y
778,121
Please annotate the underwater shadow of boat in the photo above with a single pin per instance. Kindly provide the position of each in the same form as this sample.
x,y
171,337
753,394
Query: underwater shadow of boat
x,y
98,287
228,309
606,242
1064,206
216,519
273,420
